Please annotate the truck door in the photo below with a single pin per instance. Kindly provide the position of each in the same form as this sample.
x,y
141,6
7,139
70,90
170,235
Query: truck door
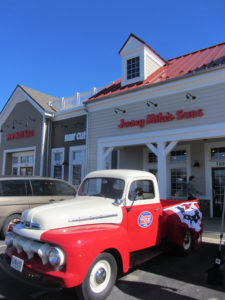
x,y
143,215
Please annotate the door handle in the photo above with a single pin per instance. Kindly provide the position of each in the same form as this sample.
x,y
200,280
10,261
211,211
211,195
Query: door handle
x,y
157,209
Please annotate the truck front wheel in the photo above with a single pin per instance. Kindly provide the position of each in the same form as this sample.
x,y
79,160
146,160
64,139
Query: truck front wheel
x,y
9,223
100,278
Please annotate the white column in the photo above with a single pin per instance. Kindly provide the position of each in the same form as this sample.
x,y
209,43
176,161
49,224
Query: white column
x,y
102,155
162,174
161,151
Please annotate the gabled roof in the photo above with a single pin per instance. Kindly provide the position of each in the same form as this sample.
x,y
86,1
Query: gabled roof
x,y
40,98
192,63
142,42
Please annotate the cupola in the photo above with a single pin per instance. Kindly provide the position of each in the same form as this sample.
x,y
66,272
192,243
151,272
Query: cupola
x,y
138,60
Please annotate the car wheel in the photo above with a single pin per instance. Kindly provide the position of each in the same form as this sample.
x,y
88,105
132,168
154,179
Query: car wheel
x,y
9,223
187,244
100,278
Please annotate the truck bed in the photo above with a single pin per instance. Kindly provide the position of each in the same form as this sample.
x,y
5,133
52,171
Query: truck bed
x,y
167,203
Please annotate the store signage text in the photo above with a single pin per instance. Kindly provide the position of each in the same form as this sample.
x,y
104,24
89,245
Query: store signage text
x,y
75,136
20,135
161,118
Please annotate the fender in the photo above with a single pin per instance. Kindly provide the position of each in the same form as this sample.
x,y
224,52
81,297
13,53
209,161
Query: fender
x,y
182,218
82,244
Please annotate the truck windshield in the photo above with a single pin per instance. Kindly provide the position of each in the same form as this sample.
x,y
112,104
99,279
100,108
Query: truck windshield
x,y
102,187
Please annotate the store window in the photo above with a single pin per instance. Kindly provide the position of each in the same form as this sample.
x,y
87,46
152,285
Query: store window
x,y
58,156
14,171
133,67
26,159
77,155
218,153
178,156
23,163
178,171
57,172
15,160
154,172
152,158
178,182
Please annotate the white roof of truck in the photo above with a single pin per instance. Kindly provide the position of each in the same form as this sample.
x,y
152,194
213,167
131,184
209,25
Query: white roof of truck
x,y
121,173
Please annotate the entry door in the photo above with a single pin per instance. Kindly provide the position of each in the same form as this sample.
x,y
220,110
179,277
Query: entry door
x,y
218,183
26,171
77,174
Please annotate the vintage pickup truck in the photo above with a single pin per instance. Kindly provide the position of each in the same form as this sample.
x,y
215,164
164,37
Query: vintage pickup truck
x,y
116,221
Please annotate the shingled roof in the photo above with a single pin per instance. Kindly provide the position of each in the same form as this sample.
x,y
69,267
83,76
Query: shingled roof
x,y
192,63
41,99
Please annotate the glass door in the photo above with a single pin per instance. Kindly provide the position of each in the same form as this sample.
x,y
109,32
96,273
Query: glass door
x,y
26,171
218,184
76,165
57,163
77,174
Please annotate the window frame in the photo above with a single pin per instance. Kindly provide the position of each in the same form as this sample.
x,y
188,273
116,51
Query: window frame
x,y
133,67
178,165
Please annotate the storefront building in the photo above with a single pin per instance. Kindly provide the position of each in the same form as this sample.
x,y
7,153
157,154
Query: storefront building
x,y
68,152
44,135
25,129
166,117
69,140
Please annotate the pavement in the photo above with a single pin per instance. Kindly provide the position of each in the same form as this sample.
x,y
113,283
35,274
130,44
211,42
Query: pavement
x,y
212,230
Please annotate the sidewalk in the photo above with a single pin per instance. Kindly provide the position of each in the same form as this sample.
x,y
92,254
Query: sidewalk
x,y
211,230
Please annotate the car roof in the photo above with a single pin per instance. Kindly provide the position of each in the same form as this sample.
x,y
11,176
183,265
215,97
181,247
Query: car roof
x,y
9,177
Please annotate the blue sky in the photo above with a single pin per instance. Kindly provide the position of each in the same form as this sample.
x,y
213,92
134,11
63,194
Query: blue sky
x,y
62,47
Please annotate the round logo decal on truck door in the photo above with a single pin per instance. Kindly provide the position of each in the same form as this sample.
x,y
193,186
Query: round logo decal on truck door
x,y
145,219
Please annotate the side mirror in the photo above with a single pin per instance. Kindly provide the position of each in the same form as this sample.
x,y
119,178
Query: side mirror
x,y
138,192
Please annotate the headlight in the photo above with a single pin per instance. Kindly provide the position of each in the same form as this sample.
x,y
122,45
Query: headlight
x,y
9,239
56,257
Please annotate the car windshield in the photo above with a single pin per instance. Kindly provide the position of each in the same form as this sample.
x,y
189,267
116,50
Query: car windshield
x,y
102,187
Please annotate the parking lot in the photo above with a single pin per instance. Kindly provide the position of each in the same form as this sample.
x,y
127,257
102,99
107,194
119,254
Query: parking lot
x,y
164,277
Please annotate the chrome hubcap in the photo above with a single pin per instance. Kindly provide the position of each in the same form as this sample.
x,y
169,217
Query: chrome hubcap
x,y
100,276
187,240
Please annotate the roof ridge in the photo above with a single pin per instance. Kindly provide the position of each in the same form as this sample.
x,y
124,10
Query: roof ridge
x,y
25,88
144,43
199,50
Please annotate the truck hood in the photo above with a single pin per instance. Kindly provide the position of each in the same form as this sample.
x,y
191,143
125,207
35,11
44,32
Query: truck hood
x,y
79,211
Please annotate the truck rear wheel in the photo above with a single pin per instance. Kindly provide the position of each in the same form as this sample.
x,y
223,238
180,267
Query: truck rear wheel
x,y
187,244
100,278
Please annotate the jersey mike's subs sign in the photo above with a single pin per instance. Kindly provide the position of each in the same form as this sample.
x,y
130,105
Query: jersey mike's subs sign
x,y
162,118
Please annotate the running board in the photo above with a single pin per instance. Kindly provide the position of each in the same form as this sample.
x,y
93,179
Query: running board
x,y
139,257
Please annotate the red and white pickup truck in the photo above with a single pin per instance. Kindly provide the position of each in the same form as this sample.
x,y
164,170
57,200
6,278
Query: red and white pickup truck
x,y
116,221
